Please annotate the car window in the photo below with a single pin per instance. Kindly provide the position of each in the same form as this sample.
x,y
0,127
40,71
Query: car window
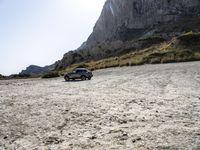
x,y
81,71
78,71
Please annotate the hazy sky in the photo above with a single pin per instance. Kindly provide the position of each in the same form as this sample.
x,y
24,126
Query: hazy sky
x,y
40,31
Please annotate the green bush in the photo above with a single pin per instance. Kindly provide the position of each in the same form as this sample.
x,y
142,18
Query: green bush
x,y
2,77
24,76
19,76
51,75
190,36
83,65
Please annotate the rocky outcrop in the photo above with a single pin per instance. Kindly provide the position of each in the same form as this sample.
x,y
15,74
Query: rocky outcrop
x,y
133,19
104,50
129,25
37,70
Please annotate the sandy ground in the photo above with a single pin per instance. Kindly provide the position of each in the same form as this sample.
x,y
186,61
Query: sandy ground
x,y
143,107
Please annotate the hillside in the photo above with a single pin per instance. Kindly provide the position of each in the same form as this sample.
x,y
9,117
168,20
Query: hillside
x,y
185,47
122,25
135,29
34,70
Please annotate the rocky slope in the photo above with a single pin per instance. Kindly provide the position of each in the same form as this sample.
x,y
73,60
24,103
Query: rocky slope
x,y
122,25
124,20
183,48
37,70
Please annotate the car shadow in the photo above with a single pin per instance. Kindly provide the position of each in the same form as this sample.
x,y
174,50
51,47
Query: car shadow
x,y
76,81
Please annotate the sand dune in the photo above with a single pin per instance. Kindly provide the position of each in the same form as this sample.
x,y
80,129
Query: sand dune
x,y
142,107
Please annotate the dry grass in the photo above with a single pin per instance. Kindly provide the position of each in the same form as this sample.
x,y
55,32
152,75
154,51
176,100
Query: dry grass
x,y
52,74
176,50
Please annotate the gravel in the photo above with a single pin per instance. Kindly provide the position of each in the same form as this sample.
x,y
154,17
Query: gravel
x,y
141,107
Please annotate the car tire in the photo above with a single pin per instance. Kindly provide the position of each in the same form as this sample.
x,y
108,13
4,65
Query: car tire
x,y
83,78
89,78
66,78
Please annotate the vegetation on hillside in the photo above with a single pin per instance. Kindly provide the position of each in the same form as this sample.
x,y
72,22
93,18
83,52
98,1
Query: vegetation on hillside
x,y
2,77
181,49
51,74
20,76
17,76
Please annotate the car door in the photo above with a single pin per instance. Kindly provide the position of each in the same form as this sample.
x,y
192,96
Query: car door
x,y
73,74
77,74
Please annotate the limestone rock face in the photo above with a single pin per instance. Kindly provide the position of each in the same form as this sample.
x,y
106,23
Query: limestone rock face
x,y
122,19
128,25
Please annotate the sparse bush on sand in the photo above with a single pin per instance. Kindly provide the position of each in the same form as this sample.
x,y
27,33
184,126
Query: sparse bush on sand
x,y
52,74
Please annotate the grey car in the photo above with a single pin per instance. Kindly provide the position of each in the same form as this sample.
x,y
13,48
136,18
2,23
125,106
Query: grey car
x,y
79,73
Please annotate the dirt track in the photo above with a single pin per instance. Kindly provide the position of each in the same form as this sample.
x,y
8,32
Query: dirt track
x,y
143,107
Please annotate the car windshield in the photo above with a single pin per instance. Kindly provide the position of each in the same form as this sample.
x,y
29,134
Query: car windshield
x,y
80,70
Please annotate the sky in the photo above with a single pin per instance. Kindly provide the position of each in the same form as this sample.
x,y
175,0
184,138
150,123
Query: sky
x,y
39,32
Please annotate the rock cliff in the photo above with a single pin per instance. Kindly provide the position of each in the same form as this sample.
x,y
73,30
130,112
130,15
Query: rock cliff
x,y
132,19
129,25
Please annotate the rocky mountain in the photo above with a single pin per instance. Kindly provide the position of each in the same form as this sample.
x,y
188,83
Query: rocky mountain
x,y
37,70
130,25
133,19
126,26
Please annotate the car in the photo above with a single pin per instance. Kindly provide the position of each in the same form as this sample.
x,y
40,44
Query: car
x,y
79,73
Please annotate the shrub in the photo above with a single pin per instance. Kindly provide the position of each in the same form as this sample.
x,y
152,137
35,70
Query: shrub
x,y
83,65
24,76
190,36
2,77
156,60
53,74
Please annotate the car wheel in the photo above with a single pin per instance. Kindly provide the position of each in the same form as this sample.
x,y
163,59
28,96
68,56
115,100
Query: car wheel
x,y
66,78
83,78
89,78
